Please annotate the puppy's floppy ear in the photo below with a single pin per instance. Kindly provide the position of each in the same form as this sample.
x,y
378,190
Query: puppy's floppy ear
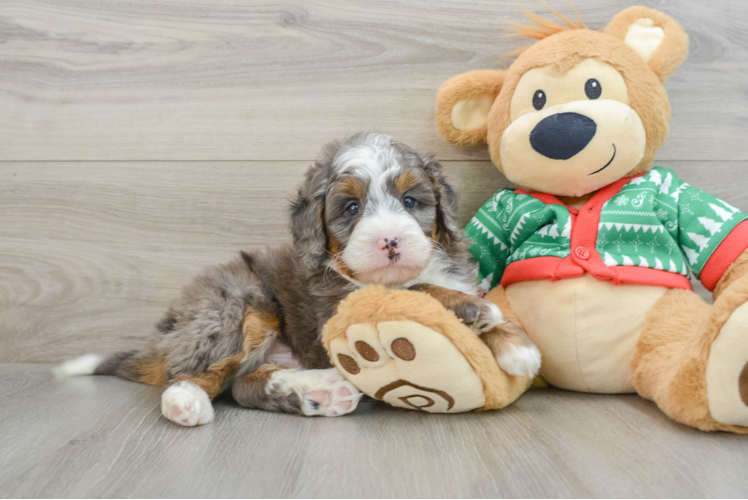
x,y
463,103
308,211
447,231
656,37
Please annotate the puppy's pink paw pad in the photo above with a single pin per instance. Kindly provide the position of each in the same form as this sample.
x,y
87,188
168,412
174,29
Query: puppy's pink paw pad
x,y
328,394
318,397
345,403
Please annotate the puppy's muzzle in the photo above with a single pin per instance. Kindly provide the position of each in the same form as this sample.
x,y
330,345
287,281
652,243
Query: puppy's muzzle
x,y
391,246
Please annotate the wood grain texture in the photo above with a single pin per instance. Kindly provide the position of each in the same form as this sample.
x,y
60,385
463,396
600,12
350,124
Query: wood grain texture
x,y
92,253
257,80
103,437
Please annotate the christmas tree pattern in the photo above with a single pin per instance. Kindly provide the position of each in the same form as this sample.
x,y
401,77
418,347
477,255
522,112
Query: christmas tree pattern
x,y
512,227
665,223
656,221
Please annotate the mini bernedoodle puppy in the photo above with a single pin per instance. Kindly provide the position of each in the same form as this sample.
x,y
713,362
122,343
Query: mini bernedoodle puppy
x,y
370,211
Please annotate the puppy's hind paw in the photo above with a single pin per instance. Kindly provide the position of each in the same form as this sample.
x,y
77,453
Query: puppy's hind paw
x,y
323,393
521,360
186,404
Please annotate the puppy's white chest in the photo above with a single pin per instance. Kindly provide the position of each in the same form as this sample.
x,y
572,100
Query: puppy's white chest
x,y
437,274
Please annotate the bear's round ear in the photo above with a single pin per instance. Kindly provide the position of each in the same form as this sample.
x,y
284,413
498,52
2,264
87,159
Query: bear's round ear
x,y
463,103
657,38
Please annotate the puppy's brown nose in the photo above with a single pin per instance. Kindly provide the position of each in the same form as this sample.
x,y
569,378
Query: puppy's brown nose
x,y
388,243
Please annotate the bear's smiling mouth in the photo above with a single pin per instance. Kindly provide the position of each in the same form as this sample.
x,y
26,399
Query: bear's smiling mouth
x,y
607,164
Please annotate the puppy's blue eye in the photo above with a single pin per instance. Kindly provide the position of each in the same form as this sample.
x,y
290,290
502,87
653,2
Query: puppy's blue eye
x,y
409,202
353,208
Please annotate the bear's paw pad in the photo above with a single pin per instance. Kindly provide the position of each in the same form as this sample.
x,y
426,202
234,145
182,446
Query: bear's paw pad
x,y
408,365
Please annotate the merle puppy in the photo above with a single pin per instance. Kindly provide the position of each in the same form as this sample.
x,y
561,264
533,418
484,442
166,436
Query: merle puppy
x,y
370,211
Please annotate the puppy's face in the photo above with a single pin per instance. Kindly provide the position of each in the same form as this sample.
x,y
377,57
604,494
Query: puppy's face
x,y
385,209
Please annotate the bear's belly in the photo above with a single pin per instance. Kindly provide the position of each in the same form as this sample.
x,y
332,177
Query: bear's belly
x,y
586,329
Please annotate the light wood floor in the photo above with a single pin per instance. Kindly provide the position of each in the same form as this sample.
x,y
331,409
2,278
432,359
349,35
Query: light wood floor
x,y
105,437
143,140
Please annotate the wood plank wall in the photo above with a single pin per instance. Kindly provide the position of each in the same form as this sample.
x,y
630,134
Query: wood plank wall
x,y
141,141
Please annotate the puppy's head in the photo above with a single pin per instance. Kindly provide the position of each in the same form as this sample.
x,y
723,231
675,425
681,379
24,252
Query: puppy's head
x,y
374,210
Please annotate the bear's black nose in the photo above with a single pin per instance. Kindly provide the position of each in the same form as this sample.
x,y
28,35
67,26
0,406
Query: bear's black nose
x,y
562,135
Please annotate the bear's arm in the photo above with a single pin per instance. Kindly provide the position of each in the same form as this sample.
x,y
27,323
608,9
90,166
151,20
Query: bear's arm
x,y
712,234
490,240
736,270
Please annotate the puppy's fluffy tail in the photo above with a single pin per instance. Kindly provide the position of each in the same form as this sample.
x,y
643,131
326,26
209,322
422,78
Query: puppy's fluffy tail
x,y
138,366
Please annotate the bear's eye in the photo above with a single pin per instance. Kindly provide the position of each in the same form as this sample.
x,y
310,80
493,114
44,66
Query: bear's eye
x,y
538,100
593,89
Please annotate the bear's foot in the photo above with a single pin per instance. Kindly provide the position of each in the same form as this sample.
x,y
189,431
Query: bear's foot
x,y
727,371
408,365
405,348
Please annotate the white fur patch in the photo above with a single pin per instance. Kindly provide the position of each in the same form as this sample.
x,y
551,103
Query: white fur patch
x,y
337,395
370,263
83,365
521,360
490,317
186,404
436,274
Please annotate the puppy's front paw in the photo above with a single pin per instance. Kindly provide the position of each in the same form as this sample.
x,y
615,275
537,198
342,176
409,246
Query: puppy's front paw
x,y
521,360
480,316
186,404
490,317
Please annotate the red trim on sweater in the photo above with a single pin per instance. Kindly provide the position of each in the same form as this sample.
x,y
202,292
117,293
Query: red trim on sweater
x,y
540,268
654,277
584,229
726,253
556,268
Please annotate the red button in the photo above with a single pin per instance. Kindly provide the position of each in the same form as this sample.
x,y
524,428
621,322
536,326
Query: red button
x,y
582,253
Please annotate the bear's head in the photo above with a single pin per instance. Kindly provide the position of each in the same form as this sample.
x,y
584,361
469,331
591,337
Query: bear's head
x,y
577,110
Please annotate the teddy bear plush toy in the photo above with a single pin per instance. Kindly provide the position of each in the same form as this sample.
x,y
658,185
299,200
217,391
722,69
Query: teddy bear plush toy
x,y
592,254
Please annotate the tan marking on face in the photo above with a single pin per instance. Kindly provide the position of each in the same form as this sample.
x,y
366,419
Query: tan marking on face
x,y
334,246
336,249
406,181
352,187
435,232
